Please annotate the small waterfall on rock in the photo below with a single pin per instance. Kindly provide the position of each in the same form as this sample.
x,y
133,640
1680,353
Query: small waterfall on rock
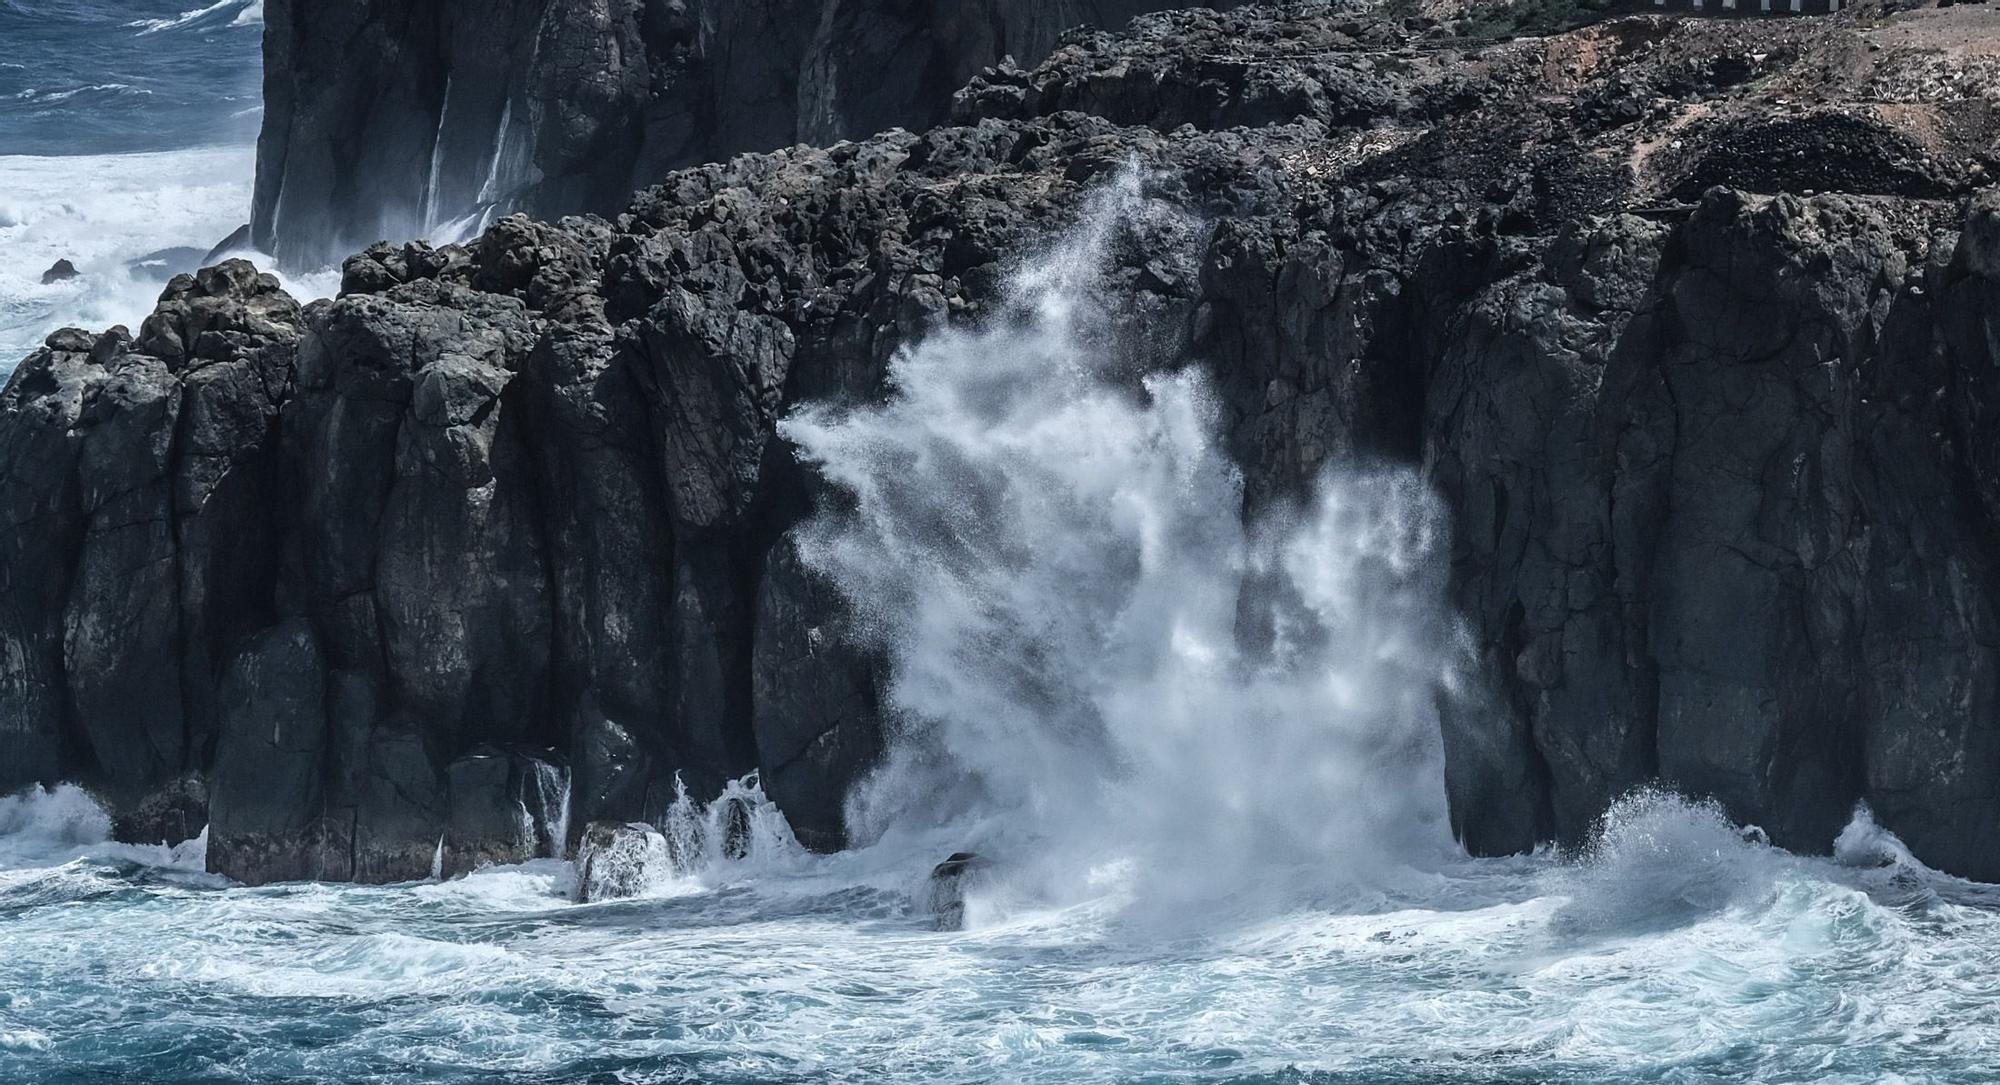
x,y
434,181
1099,669
547,791
509,168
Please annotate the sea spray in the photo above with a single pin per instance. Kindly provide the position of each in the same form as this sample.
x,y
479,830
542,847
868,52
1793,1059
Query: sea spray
x,y
1101,674
739,826
692,846
42,821
1658,858
65,823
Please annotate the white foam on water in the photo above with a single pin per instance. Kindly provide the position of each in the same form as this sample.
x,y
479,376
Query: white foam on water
x,y
792,974
103,213
248,13
52,97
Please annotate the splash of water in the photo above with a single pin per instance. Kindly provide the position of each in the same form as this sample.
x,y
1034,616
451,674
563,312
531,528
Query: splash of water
x,y
741,826
50,825
1099,668
1661,859
48,821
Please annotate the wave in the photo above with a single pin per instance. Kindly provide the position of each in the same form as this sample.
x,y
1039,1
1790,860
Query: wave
x,y
1102,675
52,820
44,827
40,97
247,13
1659,859
128,223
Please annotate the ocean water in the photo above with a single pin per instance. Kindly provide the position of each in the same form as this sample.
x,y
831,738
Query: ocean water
x,y
1676,952
126,132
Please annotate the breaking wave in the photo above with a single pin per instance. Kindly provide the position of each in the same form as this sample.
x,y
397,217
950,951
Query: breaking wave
x,y
1101,672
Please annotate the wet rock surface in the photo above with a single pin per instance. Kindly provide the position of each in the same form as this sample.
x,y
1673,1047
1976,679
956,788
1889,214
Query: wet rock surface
x,y
618,860
948,884
384,121
1718,452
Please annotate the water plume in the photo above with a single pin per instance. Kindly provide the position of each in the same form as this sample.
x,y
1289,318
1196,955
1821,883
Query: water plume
x,y
1101,674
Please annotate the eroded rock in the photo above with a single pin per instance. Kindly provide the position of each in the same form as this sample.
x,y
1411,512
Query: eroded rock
x,y
617,860
948,884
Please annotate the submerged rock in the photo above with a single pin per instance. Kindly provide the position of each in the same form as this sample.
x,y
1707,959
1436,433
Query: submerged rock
x,y
617,860
948,885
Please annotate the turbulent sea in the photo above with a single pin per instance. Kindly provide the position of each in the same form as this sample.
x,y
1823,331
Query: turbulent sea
x,y
1213,857
1678,953
126,133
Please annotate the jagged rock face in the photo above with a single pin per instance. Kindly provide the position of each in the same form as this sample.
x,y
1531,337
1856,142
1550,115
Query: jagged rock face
x,y
142,506
1722,475
393,120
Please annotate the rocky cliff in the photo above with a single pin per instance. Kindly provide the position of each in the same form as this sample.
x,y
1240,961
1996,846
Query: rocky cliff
x,y
417,119
1687,320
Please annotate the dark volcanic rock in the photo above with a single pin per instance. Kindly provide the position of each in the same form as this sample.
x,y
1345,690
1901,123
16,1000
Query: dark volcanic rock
x,y
948,884
267,796
617,860
146,526
489,820
392,122
60,271
1721,462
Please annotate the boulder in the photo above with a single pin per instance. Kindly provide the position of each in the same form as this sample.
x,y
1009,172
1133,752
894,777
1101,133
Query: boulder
x,y
61,272
172,814
616,860
949,882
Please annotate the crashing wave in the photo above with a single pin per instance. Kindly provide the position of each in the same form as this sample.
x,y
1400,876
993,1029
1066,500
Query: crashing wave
x,y
1103,674
738,834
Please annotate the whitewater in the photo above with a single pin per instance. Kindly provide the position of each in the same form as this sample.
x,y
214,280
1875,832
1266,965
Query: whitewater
x,y
1197,752
127,131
